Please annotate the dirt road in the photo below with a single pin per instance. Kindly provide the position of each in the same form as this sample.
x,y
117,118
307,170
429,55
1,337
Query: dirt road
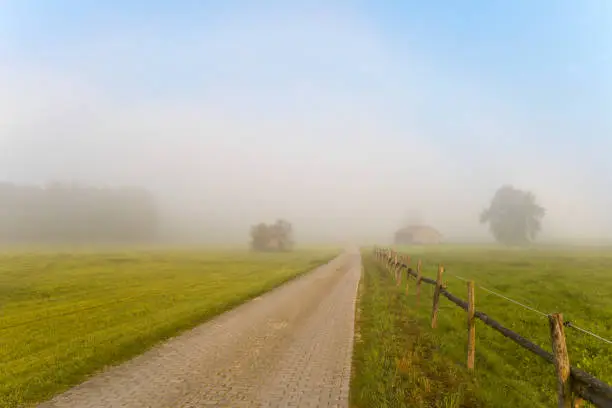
x,y
288,348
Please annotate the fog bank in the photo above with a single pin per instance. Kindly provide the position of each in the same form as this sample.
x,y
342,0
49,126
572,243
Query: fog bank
x,y
343,120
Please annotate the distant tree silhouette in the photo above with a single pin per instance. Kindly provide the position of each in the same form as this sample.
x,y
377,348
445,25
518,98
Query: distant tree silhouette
x,y
272,237
513,216
63,213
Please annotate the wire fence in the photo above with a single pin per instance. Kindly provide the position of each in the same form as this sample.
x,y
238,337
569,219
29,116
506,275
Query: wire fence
x,y
575,384
539,312
505,298
580,329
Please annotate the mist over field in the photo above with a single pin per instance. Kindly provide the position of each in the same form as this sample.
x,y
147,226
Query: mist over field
x,y
345,121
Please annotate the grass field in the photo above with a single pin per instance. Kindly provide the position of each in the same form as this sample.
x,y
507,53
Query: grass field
x,y
576,282
63,316
396,361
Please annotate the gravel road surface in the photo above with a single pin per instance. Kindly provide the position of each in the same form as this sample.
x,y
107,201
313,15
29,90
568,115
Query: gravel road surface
x,y
291,347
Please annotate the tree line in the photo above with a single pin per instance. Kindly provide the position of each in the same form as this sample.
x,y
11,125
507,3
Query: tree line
x,y
64,213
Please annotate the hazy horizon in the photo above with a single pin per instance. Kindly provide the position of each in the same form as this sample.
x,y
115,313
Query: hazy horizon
x,y
349,119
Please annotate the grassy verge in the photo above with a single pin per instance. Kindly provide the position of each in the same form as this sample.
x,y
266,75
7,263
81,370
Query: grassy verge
x,y
65,316
397,360
576,282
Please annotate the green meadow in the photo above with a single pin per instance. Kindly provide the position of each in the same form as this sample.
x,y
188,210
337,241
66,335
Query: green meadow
x,y
401,361
67,315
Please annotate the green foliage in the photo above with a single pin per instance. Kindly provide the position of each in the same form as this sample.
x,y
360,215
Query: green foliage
x,y
62,213
514,217
575,282
66,315
273,237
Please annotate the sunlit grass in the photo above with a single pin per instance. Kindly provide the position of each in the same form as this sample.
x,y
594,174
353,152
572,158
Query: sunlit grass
x,y
67,315
397,363
576,282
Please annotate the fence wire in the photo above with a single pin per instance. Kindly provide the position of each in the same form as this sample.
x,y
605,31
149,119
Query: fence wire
x,y
506,298
539,312
567,323
573,326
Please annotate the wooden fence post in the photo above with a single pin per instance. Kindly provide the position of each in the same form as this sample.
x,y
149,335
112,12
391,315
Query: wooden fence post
x,y
398,265
471,351
436,298
406,261
418,283
395,266
562,364
399,276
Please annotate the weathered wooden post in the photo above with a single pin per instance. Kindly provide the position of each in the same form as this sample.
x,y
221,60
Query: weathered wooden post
x,y
399,275
395,265
406,262
436,298
418,283
471,344
562,364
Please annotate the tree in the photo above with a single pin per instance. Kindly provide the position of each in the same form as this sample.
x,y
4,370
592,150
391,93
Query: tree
x,y
514,217
69,213
259,237
273,237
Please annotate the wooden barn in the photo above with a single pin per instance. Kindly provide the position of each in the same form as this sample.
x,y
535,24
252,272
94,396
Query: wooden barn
x,y
417,235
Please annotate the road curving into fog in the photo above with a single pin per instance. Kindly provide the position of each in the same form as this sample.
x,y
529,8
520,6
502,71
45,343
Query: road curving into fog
x,y
291,347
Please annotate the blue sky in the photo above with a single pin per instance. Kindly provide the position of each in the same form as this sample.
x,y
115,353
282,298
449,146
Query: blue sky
x,y
479,93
